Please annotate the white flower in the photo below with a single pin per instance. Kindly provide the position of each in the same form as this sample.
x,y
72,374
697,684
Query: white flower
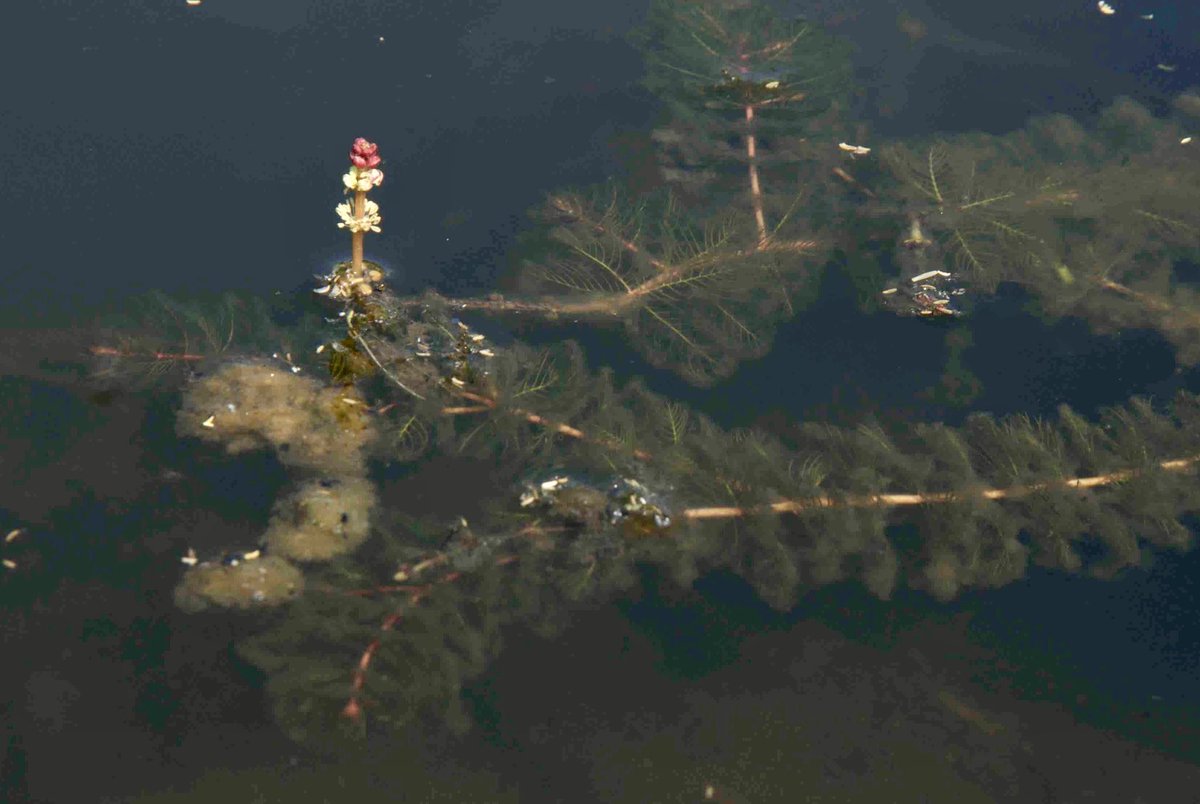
x,y
369,222
362,180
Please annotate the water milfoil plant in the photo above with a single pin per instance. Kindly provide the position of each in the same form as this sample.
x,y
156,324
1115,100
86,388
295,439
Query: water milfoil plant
x,y
381,610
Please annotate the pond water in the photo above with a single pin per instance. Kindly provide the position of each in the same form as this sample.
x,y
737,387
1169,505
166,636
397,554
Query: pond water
x,y
197,150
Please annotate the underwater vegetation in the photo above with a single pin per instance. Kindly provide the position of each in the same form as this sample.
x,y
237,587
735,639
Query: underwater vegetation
x,y
374,616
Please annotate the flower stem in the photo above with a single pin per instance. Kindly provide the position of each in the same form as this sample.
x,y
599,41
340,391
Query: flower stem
x,y
356,238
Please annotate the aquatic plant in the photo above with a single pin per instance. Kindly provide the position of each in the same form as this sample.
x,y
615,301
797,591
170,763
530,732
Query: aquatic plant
x,y
594,478
1094,222
700,269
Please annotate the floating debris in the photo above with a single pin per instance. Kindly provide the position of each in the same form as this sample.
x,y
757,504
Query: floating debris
x,y
9,538
554,483
636,509
626,503
927,292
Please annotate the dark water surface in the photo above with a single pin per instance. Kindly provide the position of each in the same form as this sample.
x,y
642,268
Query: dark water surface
x,y
149,145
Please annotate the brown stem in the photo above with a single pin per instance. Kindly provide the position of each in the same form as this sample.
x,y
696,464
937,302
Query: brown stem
x,y
538,420
853,182
464,410
756,199
356,238
1147,300
368,591
942,497
108,351
353,708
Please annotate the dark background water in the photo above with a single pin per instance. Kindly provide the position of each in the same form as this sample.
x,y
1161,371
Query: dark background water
x,y
150,145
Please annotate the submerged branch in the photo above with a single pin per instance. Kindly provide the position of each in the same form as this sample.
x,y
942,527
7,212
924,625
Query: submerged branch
x,y
930,498
613,304
487,403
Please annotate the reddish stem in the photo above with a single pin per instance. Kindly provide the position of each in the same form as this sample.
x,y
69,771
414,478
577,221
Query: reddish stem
x,y
108,351
353,708
356,238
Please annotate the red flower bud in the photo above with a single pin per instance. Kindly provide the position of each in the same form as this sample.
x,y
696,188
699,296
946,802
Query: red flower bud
x,y
364,154
363,148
